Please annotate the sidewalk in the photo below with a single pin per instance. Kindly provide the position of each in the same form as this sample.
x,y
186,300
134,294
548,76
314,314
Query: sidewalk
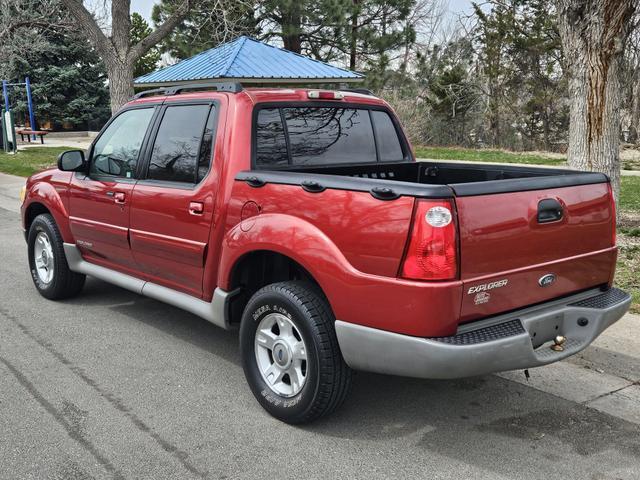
x,y
10,186
82,143
605,376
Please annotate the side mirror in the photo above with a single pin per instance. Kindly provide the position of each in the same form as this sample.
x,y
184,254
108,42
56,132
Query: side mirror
x,y
71,161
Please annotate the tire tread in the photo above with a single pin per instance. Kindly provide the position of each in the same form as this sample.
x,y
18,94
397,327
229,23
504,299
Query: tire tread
x,y
335,376
66,283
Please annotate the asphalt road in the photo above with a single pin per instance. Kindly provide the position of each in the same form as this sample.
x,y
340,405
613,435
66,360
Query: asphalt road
x,y
113,385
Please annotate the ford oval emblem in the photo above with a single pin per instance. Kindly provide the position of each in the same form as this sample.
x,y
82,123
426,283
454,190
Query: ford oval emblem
x,y
547,280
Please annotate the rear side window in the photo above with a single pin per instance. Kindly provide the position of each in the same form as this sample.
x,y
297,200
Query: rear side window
x,y
309,135
389,146
271,142
182,147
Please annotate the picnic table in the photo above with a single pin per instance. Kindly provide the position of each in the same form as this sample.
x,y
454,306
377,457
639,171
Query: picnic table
x,y
28,132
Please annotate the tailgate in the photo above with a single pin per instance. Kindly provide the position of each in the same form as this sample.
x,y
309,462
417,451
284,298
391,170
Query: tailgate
x,y
514,251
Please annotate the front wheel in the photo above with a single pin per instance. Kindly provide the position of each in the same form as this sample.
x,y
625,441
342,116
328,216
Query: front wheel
x,y
290,352
48,263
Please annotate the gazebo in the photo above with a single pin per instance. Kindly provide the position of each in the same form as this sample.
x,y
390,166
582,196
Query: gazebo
x,y
249,62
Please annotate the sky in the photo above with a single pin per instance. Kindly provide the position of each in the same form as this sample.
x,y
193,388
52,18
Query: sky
x,y
143,7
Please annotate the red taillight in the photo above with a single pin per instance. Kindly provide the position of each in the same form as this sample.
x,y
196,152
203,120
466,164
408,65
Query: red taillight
x,y
431,254
612,202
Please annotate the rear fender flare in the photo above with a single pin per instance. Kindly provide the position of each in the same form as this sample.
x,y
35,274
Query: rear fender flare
x,y
289,236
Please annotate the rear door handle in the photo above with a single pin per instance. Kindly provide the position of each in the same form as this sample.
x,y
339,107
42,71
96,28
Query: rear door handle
x,y
119,197
549,210
196,208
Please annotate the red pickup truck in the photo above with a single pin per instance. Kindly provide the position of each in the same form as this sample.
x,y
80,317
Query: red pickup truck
x,y
301,217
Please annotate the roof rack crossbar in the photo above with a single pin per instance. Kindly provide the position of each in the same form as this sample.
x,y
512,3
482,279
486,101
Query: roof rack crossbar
x,y
233,87
147,93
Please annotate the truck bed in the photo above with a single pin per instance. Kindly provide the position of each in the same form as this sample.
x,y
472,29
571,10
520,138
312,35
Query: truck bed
x,y
501,237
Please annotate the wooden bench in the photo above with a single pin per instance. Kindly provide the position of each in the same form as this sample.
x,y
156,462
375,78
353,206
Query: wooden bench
x,y
25,131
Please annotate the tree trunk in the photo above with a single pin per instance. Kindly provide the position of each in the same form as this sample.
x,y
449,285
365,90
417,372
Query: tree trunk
x,y
291,28
120,84
593,34
353,40
594,128
634,128
116,51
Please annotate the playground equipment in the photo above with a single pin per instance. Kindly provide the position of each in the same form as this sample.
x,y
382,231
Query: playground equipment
x,y
8,126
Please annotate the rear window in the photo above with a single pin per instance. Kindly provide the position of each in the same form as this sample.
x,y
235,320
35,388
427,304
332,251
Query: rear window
x,y
310,135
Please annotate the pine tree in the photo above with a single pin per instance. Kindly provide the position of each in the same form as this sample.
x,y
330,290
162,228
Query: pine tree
x,y
68,82
140,29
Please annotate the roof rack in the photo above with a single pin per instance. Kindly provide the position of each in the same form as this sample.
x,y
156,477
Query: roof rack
x,y
364,91
233,87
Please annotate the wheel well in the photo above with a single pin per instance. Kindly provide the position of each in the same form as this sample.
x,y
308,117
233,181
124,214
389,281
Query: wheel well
x,y
33,211
259,269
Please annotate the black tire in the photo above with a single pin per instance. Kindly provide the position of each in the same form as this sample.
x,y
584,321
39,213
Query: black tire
x,y
64,283
328,378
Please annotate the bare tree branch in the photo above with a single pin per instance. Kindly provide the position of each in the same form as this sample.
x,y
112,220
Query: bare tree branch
x,y
89,25
162,31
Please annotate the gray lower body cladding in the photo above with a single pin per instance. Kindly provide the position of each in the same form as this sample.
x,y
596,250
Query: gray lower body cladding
x,y
517,340
216,312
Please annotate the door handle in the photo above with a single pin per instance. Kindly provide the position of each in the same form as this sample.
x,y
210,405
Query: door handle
x,y
119,197
196,208
549,210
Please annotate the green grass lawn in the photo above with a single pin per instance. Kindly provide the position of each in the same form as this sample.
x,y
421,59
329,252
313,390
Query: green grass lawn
x,y
630,194
627,272
484,155
627,277
31,160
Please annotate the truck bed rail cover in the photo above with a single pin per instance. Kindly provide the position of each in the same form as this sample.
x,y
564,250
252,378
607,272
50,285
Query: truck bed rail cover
x,y
357,184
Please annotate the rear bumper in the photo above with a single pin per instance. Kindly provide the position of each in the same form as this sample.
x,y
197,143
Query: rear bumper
x,y
517,340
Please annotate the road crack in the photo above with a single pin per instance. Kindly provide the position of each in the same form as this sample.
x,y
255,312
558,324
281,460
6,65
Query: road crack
x,y
73,432
116,402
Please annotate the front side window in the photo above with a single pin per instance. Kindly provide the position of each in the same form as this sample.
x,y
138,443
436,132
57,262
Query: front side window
x,y
116,152
176,153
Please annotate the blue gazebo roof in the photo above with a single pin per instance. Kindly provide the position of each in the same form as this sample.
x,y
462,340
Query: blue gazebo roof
x,y
248,60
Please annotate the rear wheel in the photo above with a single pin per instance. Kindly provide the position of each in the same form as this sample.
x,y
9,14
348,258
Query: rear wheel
x,y
290,353
48,263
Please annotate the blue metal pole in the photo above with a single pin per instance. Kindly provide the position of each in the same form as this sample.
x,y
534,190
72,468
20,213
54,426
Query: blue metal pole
x,y
5,94
32,117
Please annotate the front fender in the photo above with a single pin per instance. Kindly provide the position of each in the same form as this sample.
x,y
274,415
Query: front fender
x,y
45,194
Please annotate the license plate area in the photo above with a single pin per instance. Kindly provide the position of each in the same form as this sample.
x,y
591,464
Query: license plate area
x,y
546,329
